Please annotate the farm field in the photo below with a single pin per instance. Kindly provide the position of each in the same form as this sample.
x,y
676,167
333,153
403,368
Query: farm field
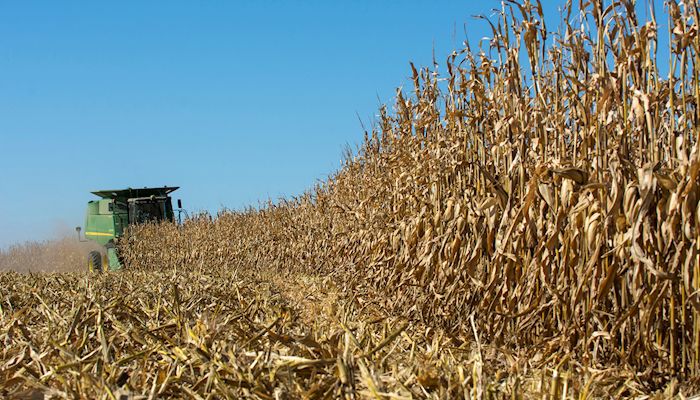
x,y
251,335
523,222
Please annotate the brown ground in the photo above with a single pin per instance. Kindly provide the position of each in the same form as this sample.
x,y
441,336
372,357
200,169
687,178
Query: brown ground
x,y
246,333
253,334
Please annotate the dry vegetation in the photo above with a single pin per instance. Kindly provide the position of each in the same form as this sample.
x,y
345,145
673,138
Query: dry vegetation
x,y
527,230
226,334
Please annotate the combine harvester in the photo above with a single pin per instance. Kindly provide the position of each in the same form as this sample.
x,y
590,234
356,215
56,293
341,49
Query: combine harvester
x,y
107,219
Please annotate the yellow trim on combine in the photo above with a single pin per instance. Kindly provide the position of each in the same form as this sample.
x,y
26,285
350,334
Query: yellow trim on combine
x,y
99,234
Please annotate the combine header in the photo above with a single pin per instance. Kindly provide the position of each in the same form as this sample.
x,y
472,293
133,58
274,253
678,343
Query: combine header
x,y
107,219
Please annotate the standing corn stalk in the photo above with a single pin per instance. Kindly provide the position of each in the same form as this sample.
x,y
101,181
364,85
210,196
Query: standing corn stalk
x,y
555,203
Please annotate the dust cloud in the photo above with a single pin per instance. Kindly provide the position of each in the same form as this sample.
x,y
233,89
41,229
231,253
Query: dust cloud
x,y
64,254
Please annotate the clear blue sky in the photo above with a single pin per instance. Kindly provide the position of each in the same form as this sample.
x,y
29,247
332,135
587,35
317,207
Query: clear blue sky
x,y
234,101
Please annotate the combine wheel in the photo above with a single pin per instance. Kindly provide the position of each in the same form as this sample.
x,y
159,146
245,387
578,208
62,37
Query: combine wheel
x,y
95,261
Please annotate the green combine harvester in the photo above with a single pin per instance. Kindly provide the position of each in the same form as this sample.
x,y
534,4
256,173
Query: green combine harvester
x,y
108,218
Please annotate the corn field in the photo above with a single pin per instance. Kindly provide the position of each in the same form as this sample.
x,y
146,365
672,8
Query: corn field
x,y
168,334
523,223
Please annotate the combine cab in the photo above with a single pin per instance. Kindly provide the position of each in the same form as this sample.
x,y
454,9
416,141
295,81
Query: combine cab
x,y
107,219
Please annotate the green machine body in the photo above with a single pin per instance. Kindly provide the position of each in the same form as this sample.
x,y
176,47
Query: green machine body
x,y
108,218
